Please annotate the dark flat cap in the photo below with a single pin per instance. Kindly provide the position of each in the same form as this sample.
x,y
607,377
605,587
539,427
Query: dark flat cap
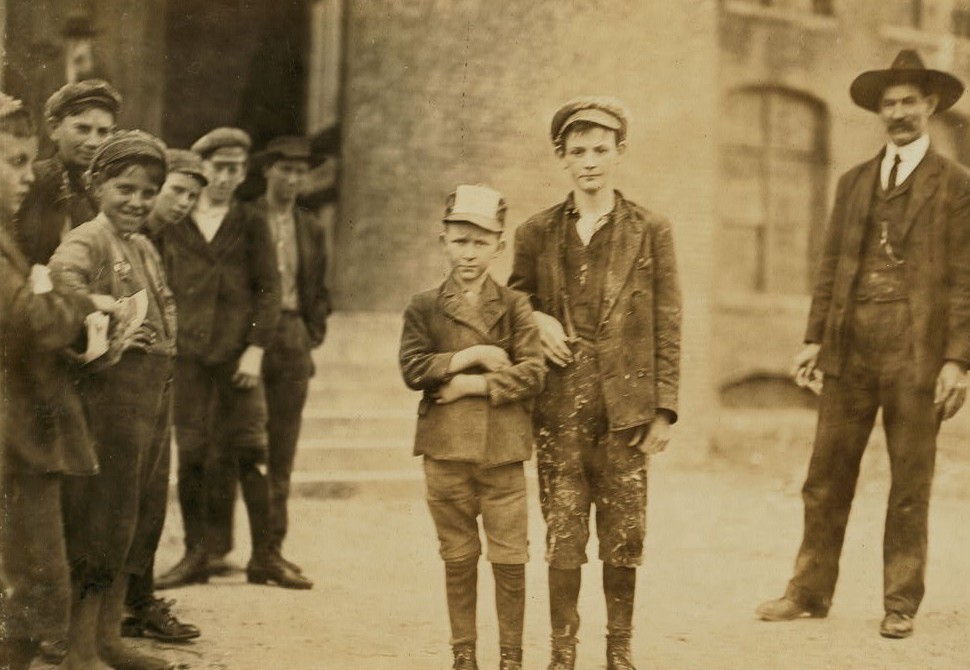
x,y
124,145
603,111
222,138
186,162
94,92
289,147
907,68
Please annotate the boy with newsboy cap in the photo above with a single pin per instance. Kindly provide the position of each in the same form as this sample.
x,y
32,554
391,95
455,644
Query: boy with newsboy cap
x,y
80,116
472,347
601,274
301,259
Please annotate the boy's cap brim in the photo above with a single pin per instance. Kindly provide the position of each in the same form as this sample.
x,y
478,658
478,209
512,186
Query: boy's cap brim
x,y
484,222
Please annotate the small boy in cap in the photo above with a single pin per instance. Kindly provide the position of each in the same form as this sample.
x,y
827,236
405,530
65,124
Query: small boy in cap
x,y
472,347
80,116
601,273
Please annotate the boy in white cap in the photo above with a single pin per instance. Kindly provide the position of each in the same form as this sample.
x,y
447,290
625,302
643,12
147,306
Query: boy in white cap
x,y
473,348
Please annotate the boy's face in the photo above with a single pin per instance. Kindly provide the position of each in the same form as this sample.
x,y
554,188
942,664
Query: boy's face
x,y
591,157
128,198
177,197
17,156
470,249
225,169
78,136
285,178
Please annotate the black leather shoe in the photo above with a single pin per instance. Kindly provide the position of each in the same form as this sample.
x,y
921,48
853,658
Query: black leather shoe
x,y
220,566
190,570
618,653
896,625
563,655
289,564
156,620
464,657
510,658
786,609
270,569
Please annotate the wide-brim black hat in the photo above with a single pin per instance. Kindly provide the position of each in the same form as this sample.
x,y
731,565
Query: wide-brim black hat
x,y
908,68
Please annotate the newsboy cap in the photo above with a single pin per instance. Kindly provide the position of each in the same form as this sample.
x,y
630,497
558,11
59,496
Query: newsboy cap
x,y
124,145
477,205
186,162
907,68
93,92
285,147
221,138
603,111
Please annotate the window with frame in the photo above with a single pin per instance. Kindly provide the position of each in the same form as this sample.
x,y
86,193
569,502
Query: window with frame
x,y
774,171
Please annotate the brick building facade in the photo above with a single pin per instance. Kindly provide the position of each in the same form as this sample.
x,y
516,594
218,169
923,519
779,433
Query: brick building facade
x,y
741,125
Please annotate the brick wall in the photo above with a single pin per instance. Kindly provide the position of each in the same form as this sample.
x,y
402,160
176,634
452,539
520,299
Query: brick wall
x,y
439,93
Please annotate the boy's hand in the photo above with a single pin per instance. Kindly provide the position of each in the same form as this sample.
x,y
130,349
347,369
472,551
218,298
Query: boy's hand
x,y
555,343
490,357
654,438
250,367
460,386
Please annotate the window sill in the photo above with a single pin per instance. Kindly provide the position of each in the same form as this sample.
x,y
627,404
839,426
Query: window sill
x,y
906,35
806,20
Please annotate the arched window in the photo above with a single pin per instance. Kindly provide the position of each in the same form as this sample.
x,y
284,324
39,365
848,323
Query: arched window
x,y
774,174
949,133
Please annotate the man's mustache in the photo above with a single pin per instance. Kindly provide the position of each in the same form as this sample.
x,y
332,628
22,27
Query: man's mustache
x,y
901,125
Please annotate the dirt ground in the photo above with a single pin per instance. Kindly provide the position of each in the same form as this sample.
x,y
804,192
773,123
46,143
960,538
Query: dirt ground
x,y
722,538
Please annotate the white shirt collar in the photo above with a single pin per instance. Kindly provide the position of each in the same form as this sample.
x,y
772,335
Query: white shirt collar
x,y
910,156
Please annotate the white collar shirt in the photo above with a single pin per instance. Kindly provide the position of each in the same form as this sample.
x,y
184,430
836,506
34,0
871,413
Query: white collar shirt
x,y
910,156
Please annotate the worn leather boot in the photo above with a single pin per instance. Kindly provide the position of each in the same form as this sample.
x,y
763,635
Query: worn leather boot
x,y
266,568
190,570
563,655
618,653
464,656
564,616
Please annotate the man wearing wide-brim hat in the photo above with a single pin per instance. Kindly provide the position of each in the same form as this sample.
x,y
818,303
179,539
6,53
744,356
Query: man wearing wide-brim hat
x,y
888,328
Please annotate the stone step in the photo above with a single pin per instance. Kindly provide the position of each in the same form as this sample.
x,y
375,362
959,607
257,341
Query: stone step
x,y
330,455
371,425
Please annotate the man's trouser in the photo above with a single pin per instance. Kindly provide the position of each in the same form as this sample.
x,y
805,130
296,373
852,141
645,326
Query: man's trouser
x,y
879,371
287,369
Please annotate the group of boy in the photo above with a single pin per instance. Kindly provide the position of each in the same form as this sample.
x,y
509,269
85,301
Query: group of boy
x,y
249,284
579,355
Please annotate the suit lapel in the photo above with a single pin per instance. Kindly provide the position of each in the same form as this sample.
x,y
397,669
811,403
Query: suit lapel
x,y
926,179
490,309
628,234
861,205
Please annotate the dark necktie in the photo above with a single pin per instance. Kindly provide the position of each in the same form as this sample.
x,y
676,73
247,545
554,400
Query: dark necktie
x,y
893,173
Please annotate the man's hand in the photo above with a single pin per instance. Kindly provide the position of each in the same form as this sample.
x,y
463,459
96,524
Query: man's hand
x,y
250,368
654,438
555,344
951,389
803,367
461,386
104,303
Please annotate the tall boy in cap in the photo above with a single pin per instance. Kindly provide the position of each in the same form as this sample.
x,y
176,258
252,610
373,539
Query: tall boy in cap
x,y
889,328
222,269
150,616
80,117
301,259
601,274
472,347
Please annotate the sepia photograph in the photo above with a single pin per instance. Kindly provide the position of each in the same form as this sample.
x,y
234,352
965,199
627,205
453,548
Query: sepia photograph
x,y
427,334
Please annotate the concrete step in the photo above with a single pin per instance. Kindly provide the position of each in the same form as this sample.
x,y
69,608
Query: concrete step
x,y
329,455
371,425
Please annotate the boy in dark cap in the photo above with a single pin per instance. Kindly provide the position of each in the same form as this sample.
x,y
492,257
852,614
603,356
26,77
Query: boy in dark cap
x,y
80,117
601,274
889,328
222,269
148,615
301,258
472,347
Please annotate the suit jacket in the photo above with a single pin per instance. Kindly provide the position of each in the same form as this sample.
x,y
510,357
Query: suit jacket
x,y
311,277
638,338
41,417
936,247
55,201
488,430
227,290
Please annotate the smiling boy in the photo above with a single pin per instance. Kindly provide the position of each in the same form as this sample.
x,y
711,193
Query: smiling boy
x,y
472,347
